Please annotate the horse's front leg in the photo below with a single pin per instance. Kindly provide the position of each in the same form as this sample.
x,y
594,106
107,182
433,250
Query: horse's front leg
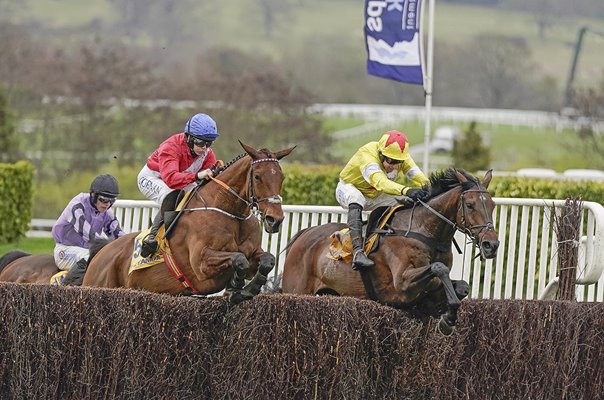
x,y
417,279
266,263
234,289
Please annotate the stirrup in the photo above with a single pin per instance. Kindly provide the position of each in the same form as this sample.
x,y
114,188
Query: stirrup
x,y
360,261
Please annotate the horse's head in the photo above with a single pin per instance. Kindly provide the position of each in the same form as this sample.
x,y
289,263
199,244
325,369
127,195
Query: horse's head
x,y
466,205
475,211
266,179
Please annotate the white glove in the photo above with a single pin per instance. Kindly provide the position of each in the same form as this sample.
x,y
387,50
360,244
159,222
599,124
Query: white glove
x,y
205,174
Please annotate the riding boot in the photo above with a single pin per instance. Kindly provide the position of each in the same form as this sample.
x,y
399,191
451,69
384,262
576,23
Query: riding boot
x,y
149,244
75,275
360,261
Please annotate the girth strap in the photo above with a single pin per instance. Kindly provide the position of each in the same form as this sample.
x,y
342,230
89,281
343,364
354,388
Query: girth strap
x,y
176,271
432,243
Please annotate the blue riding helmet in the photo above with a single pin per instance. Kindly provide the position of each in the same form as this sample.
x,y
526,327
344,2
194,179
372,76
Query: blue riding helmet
x,y
202,126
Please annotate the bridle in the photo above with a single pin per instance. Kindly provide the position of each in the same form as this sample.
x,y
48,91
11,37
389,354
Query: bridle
x,y
252,202
475,232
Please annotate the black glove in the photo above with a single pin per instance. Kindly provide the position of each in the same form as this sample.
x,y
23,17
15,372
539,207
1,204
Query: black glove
x,y
418,194
217,168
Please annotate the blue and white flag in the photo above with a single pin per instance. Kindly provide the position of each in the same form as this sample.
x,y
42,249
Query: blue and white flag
x,y
392,37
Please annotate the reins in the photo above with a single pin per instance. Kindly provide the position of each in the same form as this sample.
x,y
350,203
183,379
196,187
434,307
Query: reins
x,y
251,203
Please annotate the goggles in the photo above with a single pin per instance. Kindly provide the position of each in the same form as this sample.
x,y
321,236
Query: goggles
x,y
201,142
392,161
105,199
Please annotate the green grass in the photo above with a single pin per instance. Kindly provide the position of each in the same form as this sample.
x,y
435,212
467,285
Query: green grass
x,y
30,245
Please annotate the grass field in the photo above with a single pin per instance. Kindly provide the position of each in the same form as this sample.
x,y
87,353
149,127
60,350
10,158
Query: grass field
x,y
30,245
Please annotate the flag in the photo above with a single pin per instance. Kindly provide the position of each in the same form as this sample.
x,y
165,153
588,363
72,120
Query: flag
x,y
392,38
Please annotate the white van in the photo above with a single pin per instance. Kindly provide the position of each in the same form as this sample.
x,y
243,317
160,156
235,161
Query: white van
x,y
443,138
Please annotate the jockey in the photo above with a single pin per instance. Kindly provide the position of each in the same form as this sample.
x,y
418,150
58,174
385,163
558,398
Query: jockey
x,y
178,164
86,217
375,176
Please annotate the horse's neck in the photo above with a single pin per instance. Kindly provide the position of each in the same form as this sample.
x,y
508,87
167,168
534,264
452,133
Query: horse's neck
x,y
426,222
236,178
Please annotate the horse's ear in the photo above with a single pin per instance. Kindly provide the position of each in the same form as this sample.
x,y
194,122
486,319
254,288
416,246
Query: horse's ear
x,y
255,154
280,154
461,177
487,178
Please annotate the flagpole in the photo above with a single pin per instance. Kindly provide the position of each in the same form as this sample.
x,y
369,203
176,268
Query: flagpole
x,y
428,86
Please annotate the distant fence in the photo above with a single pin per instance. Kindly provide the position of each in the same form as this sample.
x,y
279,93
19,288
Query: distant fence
x,y
526,262
533,119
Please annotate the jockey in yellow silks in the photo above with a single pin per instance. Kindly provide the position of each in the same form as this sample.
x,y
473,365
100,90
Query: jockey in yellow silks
x,y
375,176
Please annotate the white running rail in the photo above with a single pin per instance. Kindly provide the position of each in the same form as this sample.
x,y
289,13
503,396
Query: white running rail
x,y
526,261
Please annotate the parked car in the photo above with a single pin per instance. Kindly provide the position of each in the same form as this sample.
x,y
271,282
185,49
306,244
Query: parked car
x,y
443,138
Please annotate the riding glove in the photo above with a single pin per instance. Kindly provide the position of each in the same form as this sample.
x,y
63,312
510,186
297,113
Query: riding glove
x,y
205,174
418,194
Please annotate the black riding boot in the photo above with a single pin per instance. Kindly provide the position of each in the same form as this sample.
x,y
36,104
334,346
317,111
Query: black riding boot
x,y
360,261
149,244
75,275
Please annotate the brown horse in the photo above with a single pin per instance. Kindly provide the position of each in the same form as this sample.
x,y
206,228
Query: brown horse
x,y
414,254
216,242
21,267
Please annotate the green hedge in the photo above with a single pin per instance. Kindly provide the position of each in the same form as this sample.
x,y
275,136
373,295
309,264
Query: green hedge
x,y
546,189
308,185
16,187
315,185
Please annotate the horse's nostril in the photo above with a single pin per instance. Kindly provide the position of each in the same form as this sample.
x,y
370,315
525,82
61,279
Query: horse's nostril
x,y
270,220
490,245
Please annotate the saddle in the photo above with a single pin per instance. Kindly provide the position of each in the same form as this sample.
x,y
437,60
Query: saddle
x,y
341,243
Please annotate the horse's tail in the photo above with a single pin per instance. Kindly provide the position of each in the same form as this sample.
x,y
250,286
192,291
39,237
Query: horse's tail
x,y
95,246
11,256
293,239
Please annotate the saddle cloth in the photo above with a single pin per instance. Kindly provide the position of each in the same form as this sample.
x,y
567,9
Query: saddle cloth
x,y
58,278
139,262
341,242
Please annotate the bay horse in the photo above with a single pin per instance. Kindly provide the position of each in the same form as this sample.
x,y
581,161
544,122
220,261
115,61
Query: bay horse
x,y
215,242
414,254
21,267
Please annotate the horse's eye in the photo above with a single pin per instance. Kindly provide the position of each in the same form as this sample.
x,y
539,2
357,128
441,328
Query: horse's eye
x,y
257,177
470,206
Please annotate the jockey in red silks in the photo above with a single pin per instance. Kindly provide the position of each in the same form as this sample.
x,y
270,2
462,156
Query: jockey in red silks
x,y
178,164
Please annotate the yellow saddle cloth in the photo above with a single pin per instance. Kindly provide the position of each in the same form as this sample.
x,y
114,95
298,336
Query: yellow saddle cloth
x,y
139,262
341,242
57,279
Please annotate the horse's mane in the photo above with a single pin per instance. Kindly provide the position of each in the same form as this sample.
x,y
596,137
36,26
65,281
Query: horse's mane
x,y
266,152
445,180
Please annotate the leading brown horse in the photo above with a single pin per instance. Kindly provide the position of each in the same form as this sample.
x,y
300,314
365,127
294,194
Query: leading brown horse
x,y
216,242
414,255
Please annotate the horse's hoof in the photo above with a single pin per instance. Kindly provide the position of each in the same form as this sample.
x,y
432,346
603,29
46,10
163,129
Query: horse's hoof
x,y
444,327
236,297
